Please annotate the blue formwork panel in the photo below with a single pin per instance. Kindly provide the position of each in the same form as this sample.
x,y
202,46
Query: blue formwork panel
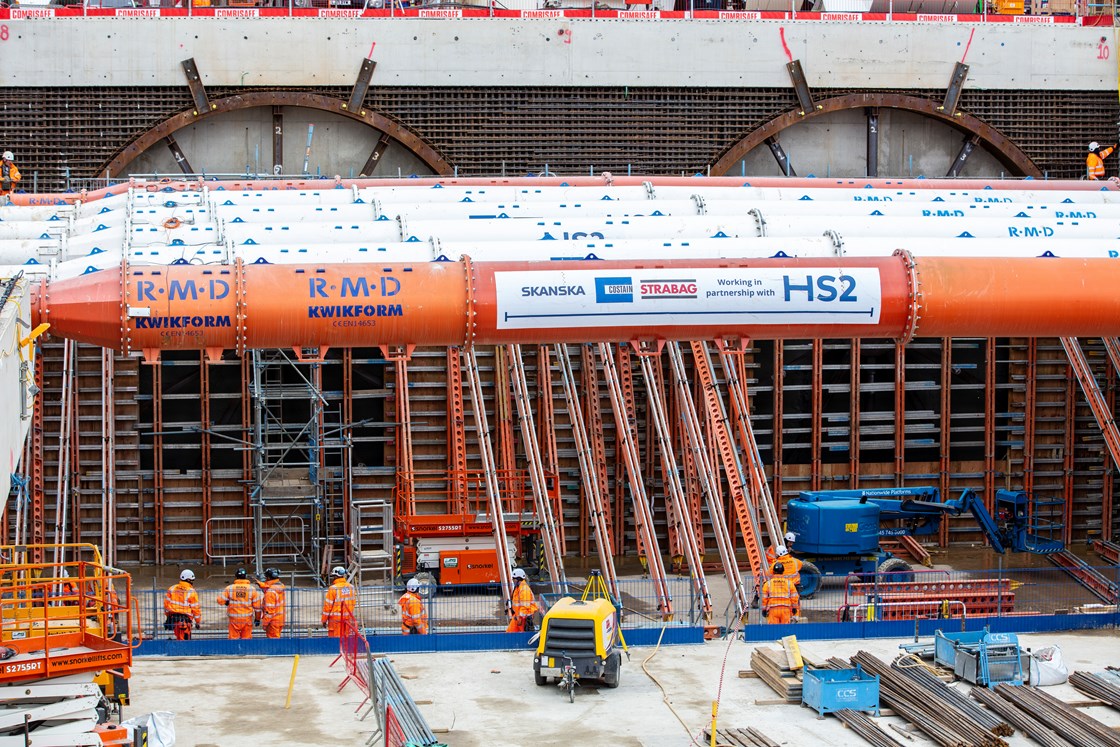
x,y
829,690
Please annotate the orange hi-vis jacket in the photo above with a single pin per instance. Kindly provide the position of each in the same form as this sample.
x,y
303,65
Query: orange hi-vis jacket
x,y
242,600
274,605
9,177
791,567
1094,162
182,599
413,614
339,601
779,591
524,602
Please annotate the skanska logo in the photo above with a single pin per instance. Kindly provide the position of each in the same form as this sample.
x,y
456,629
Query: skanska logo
x,y
542,291
614,290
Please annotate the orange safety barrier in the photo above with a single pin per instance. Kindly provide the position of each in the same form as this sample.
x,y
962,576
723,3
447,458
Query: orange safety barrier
x,y
241,307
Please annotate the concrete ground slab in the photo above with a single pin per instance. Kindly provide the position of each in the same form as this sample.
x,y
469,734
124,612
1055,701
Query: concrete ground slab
x,y
489,698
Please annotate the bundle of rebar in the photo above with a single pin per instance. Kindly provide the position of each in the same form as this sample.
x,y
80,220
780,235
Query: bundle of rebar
x,y
931,709
1021,720
861,724
1076,727
923,678
1096,687
389,690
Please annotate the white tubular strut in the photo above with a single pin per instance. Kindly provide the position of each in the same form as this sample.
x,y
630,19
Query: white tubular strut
x,y
553,552
486,450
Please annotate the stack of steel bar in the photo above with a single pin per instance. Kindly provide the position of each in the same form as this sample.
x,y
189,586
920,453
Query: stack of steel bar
x,y
944,715
1096,687
1021,720
390,691
861,724
904,600
1075,727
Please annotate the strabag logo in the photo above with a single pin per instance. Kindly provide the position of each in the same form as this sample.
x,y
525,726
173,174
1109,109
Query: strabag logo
x,y
669,288
614,290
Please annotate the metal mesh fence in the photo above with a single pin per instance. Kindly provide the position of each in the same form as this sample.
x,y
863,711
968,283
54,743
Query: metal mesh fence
x,y
465,609
921,594
956,594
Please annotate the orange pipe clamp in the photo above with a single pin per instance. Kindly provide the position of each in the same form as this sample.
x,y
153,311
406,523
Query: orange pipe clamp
x,y
240,307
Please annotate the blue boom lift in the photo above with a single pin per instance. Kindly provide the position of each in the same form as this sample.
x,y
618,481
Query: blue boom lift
x,y
838,531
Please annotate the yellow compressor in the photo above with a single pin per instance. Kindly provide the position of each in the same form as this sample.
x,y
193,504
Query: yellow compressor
x,y
578,640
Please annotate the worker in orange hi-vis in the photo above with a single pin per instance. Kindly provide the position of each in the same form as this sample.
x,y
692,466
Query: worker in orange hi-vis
x,y
1094,162
772,553
242,601
791,565
9,177
67,590
414,618
779,598
181,607
524,605
338,603
274,605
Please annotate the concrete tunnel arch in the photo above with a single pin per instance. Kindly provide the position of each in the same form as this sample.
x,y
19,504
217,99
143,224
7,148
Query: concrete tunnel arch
x,y
394,131
994,142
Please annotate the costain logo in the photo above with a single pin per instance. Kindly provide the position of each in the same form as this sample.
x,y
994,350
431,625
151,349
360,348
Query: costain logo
x,y
614,290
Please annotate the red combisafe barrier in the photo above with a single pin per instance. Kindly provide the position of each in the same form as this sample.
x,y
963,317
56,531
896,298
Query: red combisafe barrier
x,y
353,649
394,734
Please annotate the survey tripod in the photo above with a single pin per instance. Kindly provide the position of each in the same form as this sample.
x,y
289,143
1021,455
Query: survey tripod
x,y
597,588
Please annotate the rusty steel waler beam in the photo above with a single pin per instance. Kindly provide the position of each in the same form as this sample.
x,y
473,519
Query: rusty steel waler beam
x,y
1086,575
1110,551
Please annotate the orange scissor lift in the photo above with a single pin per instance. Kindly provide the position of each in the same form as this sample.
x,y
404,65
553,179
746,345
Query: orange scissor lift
x,y
65,644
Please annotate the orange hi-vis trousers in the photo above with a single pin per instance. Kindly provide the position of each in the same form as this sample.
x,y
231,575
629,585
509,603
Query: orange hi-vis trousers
x,y
240,628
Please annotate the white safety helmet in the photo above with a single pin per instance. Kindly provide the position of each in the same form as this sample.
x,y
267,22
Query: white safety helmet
x,y
781,550
790,538
338,572
1092,146
8,155
412,585
518,573
187,575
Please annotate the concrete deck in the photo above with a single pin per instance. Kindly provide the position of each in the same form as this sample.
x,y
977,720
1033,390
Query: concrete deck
x,y
490,699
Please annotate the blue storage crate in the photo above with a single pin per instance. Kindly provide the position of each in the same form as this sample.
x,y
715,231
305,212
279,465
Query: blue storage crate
x,y
828,690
